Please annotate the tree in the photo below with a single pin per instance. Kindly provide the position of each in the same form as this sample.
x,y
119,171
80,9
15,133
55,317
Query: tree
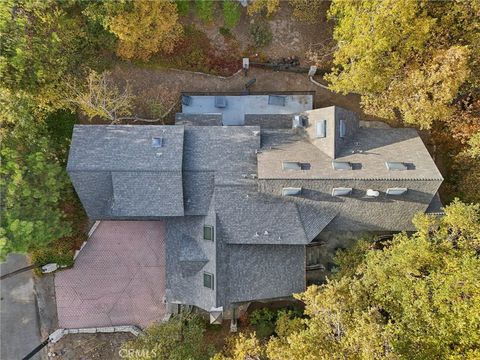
x,y
32,183
259,6
243,347
104,99
205,10
231,13
182,337
306,10
142,27
408,58
424,94
415,297
44,45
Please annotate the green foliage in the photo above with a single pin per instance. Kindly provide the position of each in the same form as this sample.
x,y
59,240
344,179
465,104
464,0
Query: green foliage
x,y
225,32
417,297
306,10
183,7
32,184
264,321
205,10
414,297
347,260
44,45
406,58
182,337
231,13
60,127
260,33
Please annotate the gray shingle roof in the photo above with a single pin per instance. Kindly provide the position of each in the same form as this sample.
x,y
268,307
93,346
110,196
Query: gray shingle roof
x,y
250,217
229,151
125,147
147,194
117,173
258,272
197,191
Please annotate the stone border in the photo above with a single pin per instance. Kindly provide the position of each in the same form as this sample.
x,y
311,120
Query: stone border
x,y
90,233
59,333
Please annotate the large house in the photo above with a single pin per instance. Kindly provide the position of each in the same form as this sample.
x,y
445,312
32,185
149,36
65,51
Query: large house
x,y
245,182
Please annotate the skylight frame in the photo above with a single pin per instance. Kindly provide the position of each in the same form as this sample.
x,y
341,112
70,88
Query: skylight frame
x,y
291,191
342,165
341,191
396,191
396,166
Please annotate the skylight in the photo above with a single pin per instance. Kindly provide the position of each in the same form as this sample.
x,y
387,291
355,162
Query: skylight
x,y
341,165
295,165
341,191
396,191
291,165
321,128
396,166
291,191
157,142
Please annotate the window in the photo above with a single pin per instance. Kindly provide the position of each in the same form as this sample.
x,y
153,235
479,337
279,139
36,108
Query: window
x,y
396,166
341,165
321,129
208,232
291,191
157,142
343,128
208,280
341,191
396,191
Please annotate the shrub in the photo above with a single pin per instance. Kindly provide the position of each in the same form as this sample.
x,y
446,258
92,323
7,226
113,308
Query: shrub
x,y
205,10
225,32
261,34
231,13
183,7
264,321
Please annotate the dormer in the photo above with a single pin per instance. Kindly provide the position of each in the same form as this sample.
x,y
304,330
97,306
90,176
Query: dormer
x,y
330,128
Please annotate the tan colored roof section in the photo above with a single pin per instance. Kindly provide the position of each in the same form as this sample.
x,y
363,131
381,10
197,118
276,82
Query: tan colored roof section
x,y
368,153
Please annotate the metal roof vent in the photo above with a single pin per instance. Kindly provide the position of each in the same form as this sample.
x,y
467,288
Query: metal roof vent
x,y
157,142
256,234
396,166
266,232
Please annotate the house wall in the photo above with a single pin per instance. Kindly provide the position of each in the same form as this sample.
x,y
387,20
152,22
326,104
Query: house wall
x,y
95,190
187,288
356,211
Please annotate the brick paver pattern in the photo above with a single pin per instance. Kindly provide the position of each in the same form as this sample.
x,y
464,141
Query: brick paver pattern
x,y
118,278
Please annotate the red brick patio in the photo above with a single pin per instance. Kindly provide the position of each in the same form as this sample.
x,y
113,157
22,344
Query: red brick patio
x,y
118,278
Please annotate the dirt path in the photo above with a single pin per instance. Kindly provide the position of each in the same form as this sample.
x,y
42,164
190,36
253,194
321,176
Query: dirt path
x,y
148,83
